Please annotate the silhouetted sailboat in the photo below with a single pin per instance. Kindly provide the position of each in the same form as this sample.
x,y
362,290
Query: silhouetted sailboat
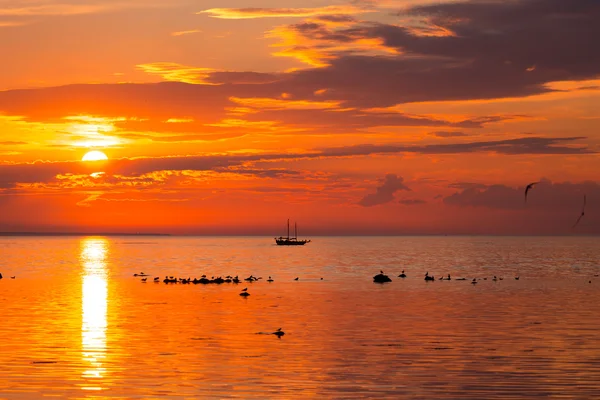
x,y
290,241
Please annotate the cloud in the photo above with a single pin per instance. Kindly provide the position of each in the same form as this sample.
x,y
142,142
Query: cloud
x,y
145,107
448,134
42,8
412,202
177,73
39,172
489,54
385,192
548,196
526,145
249,13
467,185
189,32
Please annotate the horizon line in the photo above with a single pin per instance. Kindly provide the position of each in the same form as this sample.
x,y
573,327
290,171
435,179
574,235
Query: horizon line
x,y
59,233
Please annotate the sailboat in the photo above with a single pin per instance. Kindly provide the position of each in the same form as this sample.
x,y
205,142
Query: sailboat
x,y
290,241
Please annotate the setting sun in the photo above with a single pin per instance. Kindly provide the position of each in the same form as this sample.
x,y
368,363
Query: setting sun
x,y
94,155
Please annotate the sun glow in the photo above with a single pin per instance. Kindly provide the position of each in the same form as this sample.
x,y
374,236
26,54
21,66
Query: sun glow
x,y
94,155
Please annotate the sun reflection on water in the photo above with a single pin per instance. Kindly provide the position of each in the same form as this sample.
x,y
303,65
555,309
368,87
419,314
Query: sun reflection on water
x,y
94,306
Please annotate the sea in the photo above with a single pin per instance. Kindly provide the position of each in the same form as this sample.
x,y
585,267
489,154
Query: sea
x,y
75,323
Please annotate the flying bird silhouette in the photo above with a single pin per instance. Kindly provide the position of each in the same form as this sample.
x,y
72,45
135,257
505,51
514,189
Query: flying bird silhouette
x,y
582,213
528,188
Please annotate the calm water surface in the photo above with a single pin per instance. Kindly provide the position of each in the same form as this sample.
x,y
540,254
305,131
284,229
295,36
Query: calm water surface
x,y
76,324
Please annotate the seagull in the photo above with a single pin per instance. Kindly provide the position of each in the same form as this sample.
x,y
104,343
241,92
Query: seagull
x,y
245,289
528,188
582,213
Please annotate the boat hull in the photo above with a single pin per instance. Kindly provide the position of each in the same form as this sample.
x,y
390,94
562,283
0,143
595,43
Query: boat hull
x,y
290,242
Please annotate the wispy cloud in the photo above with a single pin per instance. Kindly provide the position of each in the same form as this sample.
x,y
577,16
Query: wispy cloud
x,y
182,33
249,13
178,73
45,8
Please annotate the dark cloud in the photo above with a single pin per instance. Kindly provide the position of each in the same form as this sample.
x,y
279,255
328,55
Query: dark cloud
x,y
497,49
412,202
336,18
385,192
247,77
467,185
562,197
447,134
527,145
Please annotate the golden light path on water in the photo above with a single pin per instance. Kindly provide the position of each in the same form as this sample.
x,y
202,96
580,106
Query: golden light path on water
x,y
94,304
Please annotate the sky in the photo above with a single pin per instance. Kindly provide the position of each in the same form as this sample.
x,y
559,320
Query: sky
x,y
361,117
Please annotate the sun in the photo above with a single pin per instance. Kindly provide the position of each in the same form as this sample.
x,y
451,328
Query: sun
x,y
94,155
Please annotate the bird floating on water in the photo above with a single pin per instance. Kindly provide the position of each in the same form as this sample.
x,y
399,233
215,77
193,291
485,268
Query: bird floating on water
x,y
402,275
279,333
582,213
270,279
381,278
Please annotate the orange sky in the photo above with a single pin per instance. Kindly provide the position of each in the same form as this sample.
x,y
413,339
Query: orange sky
x,y
362,117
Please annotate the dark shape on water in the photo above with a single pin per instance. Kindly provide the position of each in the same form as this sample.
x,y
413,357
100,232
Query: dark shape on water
x,y
528,188
244,294
381,278
474,281
429,278
291,241
279,333
582,213
270,279
517,278
296,278
402,275
0,275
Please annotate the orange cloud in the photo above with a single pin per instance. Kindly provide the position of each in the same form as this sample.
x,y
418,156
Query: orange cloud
x,y
277,104
310,44
174,72
250,13
181,33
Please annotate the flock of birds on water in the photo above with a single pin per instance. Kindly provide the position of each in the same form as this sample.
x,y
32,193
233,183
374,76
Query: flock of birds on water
x,y
383,278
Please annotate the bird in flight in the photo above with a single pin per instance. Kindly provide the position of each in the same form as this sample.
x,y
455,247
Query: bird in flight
x,y
582,213
528,188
